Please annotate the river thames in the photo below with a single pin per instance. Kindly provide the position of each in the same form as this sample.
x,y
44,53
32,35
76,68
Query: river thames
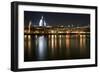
x,y
56,47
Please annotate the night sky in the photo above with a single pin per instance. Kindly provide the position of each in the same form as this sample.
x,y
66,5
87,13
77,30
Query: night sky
x,y
57,18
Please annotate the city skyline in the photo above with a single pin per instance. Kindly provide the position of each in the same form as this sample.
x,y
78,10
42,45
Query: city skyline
x,y
55,19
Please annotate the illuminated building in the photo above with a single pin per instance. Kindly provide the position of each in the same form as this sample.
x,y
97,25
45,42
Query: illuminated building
x,y
43,28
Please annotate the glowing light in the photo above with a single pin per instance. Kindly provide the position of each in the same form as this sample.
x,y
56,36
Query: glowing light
x,y
29,27
55,41
52,36
67,36
67,31
29,45
60,41
52,31
67,41
42,22
25,36
41,44
29,36
68,45
52,43
81,42
60,32
41,47
55,36
36,32
81,36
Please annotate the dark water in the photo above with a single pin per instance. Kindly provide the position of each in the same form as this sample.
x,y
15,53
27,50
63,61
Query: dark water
x,y
56,47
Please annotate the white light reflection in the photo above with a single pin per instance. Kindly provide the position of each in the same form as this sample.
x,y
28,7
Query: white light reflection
x,y
41,47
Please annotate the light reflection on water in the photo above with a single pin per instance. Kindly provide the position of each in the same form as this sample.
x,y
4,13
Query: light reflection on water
x,y
56,47
41,47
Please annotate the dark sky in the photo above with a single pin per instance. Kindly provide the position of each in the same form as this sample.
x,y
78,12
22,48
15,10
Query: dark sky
x,y
57,18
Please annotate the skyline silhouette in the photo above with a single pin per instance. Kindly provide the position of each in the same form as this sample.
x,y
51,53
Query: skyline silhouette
x,y
53,18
